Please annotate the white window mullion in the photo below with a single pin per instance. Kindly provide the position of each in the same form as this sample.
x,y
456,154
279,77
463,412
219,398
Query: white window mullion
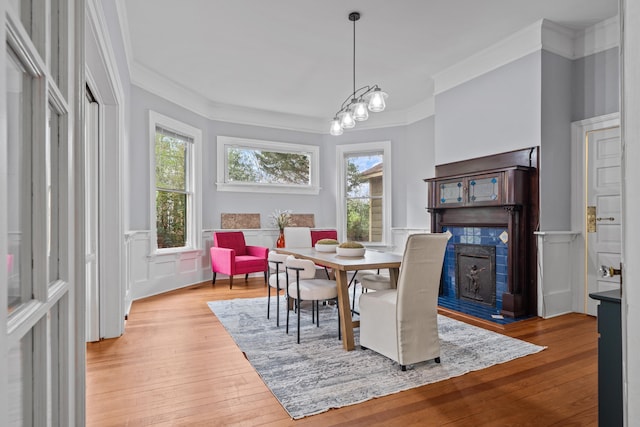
x,y
40,173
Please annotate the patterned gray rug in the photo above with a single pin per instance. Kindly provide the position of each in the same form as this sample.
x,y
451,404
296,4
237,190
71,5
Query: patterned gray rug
x,y
317,374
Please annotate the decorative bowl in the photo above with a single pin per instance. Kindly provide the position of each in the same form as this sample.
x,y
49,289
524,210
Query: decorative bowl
x,y
350,251
326,247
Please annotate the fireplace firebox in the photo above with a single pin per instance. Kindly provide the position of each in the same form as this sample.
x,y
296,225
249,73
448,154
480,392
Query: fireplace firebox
x,y
476,273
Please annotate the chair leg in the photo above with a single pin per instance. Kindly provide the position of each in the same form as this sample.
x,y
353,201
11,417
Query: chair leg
x,y
353,303
298,318
437,360
277,306
268,300
265,277
318,313
213,281
288,310
246,277
230,281
403,367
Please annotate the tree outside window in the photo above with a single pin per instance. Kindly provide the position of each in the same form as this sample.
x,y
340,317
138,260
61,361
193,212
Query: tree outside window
x,y
364,196
172,190
252,165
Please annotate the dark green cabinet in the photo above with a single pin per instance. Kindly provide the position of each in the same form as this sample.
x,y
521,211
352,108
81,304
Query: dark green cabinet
x,y
609,358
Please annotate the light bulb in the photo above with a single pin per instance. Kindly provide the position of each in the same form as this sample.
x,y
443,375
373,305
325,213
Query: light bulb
x,y
335,128
346,120
376,101
360,112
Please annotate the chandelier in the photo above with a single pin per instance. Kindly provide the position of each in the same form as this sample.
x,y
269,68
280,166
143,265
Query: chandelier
x,y
358,104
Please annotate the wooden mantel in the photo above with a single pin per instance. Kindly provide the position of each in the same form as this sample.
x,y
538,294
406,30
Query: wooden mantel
x,y
495,191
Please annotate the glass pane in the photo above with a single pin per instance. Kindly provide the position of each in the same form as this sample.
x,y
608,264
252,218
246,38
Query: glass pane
x,y
18,189
484,189
20,370
364,188
53,191
171,158
171,219
257,166
451,192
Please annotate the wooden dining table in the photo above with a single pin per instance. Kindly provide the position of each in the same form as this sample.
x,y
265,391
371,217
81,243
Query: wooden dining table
x,y
371,260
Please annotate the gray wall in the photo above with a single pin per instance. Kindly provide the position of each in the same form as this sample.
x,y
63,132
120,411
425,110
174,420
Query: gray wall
x,y
555,143
496,112
595,85
412,160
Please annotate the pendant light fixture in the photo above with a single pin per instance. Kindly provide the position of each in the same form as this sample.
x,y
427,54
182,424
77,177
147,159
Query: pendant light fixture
x,y
358,104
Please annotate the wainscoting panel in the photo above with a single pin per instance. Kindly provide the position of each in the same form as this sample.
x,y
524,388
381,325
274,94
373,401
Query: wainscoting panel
x,y
151,274
557,273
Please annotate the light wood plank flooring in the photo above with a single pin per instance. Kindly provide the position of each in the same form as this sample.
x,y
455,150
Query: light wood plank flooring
x,y
177,366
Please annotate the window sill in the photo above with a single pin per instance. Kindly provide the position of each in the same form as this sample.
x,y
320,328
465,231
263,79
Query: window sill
x,y
266,188
176,252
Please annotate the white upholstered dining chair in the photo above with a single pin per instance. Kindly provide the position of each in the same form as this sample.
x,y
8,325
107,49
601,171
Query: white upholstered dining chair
x,y
302,285
277,280
402,323
297,237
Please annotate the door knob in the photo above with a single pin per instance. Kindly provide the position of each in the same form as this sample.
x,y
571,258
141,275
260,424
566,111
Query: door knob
x,y
609,271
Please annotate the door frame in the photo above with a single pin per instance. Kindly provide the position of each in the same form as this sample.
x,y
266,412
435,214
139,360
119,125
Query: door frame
x,y
106,87
579,131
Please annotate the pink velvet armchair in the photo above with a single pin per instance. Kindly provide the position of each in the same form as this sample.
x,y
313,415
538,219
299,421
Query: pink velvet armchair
x,y
230,255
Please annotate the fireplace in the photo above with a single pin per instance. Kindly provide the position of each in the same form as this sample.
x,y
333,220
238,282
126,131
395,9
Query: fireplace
x,y
490,207
476,273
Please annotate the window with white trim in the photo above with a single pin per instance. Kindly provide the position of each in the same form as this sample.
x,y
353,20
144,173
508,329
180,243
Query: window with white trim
x,y
175,148
364,211
276,167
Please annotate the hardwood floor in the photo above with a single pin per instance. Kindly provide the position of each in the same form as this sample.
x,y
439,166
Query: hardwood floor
x,y
176,365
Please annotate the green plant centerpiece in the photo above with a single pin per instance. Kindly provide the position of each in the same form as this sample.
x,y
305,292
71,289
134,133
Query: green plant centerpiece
x,y
352,245
353,249
326,245
327,242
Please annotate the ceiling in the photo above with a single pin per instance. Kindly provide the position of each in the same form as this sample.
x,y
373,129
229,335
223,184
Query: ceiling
x,y
294,57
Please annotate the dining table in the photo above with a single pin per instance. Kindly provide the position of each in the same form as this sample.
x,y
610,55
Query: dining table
x,y
371,260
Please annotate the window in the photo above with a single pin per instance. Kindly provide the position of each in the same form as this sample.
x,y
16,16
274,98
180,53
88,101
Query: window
x,y
276,167
175,170
364,214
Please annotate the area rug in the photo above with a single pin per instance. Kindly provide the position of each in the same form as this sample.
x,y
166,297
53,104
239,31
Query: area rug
x,y
318,374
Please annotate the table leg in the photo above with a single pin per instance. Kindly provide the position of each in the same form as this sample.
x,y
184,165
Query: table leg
x,y
393,275
346,325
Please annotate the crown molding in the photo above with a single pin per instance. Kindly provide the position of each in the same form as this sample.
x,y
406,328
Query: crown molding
x,y
542,34
153,82
514,47
602,36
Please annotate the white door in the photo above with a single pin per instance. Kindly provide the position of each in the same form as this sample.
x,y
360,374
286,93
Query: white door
x,y
41,371
91,165
603,197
